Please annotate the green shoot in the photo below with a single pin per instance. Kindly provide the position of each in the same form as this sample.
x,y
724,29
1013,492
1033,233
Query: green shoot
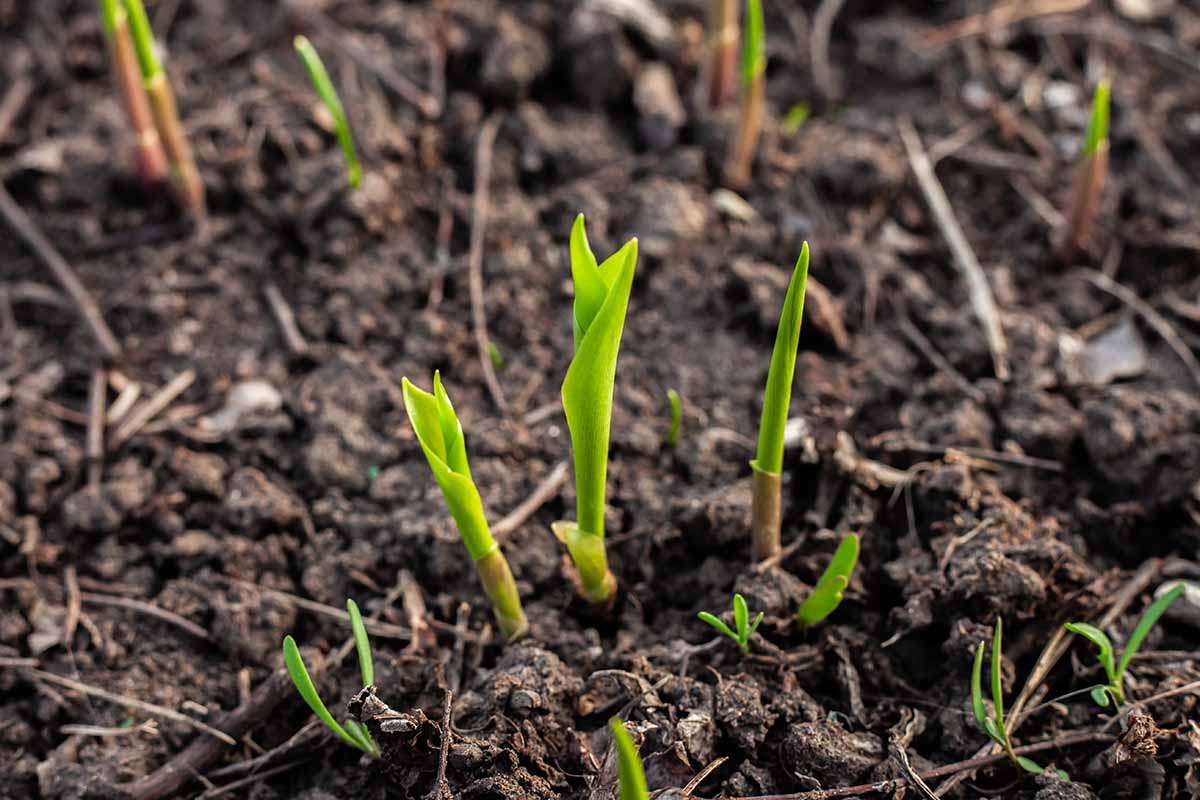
x,y
750,114
741,621
151,160
441,437
631,780
797,115
1115,671
994,726
768,463
601,300
495,356
1090,175
676,418
185,178
722,50
329,96
827,594
353,734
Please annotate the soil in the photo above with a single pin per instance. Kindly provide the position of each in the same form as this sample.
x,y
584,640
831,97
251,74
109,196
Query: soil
x,y
1036,499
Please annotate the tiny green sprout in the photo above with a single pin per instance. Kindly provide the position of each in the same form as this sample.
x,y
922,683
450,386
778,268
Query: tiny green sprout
x,y
1090,175
741,621
441,437
676,418
1115,670
631,779
1097,130
750,114
495,356
353,734
601,300
827,594
768,463
994,726
796,116
185,178
329,96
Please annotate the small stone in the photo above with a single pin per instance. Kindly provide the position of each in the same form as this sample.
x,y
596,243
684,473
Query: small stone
x,y
517,56
254,502
199,473
601,62
660,111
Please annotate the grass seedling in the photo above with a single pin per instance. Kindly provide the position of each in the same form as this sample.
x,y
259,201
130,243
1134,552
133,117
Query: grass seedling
x,y
441,437
1115,670
722,50
601,300
796,116
329,96
148,152
741,621
353,733
631,779
676,418
994,726
1090,175
768,462
827,594
185,178
750,114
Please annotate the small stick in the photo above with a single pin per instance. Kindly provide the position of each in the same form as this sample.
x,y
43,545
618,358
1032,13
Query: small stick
x,y
94,450
14,100
133,703
440,786
822,29
479,213
383,630
919,340
977,285
151,408
255,778
286,319
74,605
146,608
548,488
24,227
1155,320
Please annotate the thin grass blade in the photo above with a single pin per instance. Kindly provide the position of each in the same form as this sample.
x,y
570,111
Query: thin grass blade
x,y
1148,621
304,685
631,780
361,643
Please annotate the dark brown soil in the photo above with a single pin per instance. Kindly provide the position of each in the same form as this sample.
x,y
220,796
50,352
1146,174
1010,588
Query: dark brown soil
x,y
1081,470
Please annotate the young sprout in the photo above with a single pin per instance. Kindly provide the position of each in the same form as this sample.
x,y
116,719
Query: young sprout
x,y
631,779
796,116
750,114
1089,179
722,50
768,463
601,299
741,621
676,418
827,594
353,733
151,160
441,438
994,726
189,189
333,103
1114,670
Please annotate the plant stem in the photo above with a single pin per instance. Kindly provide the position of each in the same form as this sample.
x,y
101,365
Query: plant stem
x,y
597,583
148,152
1090,176
501,589
184,175
722,50
745,141
767,490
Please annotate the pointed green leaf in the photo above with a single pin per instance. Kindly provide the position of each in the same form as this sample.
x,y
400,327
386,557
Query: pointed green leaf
x,y
718,624
778,395
333,103
1100,696
1102,643
1097,131
754,58
741,618
997,682
754,627
1029,765
441,438
977,707
111,15
143,39
361,643
1148,621
304,685
827,594
631,780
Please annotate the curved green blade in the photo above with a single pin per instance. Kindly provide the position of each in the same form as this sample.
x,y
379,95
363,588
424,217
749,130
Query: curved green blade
x,y
1101,641
828,593
304,685
361,643
778,395
1148,621
631,780
715,622
329,96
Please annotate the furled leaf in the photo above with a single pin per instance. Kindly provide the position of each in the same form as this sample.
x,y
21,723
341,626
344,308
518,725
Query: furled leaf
x,y
1097,131
1101,641
827,594
304,685
778,395
631,780
741,617
1148,621
361,643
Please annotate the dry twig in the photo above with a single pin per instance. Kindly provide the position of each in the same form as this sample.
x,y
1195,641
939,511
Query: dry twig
x,y
479,214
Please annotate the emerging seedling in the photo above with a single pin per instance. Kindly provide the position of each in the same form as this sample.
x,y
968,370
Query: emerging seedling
x,y
631,779
750,114
353,733
185,178
1114,670
601,300
441,437
768,463
741,621
149,155
676,418
1090,175
994,726
722,50
827,594
333,103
